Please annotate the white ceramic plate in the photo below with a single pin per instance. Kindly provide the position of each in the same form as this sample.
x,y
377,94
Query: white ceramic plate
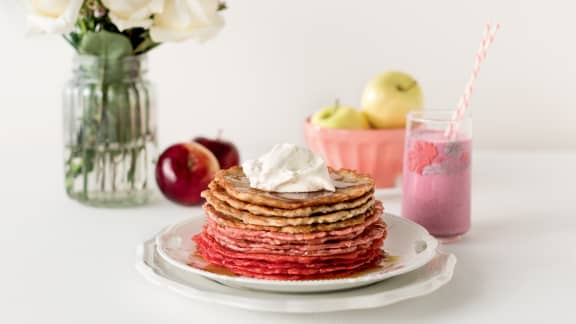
x,y
409,245
422,281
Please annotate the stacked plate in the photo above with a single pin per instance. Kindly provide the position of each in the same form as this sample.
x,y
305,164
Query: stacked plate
x,y
414,267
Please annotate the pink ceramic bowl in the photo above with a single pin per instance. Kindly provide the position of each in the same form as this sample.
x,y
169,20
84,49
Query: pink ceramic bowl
x,y
377,152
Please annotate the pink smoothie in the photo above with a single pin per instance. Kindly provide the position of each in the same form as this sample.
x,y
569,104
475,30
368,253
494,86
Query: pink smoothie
x,y
436,182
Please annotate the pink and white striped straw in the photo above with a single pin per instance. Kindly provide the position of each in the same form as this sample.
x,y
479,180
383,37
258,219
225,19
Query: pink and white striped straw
x,y
487,40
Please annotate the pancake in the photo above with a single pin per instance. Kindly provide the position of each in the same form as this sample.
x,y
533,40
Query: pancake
x,y
316,276
291,270
221,194
249,218
228,221
349,185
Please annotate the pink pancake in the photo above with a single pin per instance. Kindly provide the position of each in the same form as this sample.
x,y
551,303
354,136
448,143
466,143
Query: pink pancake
x,y
363,241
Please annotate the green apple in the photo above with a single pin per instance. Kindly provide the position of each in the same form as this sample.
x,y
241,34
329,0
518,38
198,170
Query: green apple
x,y
388,97
339,116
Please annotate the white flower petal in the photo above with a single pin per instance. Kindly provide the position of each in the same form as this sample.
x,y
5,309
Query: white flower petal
x,y
161,35
183,19
156,6
131,14
123,24
57,17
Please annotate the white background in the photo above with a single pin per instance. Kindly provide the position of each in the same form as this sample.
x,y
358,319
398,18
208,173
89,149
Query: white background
x,y
278,61
275,63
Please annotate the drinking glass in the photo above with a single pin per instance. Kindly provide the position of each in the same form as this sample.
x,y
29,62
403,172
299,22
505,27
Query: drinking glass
x,y
436,173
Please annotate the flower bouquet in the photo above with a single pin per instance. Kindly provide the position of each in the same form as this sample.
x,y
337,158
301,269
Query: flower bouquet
x,y
109,116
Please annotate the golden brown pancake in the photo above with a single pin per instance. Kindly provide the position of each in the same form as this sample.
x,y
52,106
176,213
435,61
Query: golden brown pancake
x,y
349,185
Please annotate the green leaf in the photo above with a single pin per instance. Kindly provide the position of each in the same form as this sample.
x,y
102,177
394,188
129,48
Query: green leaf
x,y
146,45
111,46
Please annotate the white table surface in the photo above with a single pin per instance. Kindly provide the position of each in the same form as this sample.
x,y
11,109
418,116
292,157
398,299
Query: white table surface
x,y
66,263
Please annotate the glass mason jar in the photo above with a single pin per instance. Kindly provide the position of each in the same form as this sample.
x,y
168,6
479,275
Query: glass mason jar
x,y
436,176
109,132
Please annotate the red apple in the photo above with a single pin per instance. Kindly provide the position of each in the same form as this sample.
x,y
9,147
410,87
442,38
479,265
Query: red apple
x,y
184,170
225,151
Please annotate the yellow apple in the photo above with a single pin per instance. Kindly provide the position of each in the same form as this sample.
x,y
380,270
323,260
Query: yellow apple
x,y
388,97
339,116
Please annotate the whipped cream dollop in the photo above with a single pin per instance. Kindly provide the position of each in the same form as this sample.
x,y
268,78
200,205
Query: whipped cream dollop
x,y
288,168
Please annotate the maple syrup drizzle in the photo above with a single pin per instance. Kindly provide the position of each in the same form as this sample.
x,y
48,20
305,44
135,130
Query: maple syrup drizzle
x,y
219,270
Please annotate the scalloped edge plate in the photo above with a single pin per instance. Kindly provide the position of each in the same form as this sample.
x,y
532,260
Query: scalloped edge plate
x,y
409,243
420,282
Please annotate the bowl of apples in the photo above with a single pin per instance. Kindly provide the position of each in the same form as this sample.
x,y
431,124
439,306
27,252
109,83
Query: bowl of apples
x,y
369,140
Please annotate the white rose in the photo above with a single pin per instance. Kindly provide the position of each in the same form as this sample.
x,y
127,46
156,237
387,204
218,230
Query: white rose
x,y
53,16
182,19
130,14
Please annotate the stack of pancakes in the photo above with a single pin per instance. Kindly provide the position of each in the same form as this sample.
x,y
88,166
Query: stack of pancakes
x,y
292,236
